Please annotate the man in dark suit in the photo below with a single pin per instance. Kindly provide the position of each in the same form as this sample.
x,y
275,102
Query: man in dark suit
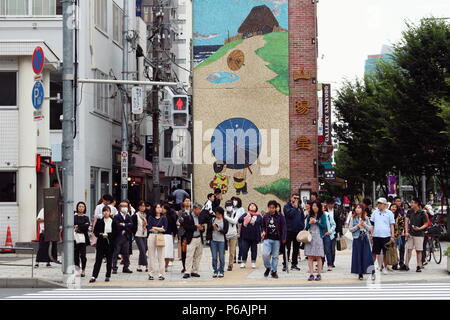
x,y
192,224
124,227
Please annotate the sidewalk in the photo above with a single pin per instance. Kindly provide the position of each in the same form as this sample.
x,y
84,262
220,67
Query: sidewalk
x,y
248,276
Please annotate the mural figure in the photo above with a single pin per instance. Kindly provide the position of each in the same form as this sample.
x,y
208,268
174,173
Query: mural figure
x,y
220,180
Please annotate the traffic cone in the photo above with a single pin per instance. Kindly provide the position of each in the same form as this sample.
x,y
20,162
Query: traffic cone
x,y
8,243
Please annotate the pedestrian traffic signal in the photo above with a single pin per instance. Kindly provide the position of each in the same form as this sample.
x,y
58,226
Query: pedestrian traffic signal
x,y
180,112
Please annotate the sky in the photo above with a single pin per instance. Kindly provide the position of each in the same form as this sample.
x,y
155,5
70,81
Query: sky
x,y
350,30
214,18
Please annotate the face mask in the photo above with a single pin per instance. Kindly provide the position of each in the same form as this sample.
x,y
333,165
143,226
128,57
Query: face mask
x,y
124,210
235,203
229,209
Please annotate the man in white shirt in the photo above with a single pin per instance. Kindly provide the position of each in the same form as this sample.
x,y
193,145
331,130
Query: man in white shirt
x,y
382,231
107,201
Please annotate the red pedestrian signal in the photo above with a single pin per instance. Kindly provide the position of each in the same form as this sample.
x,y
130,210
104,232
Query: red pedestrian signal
x,y
180,103
180,112
51,169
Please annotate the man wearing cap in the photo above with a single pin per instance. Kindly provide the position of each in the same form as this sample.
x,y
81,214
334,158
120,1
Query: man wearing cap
x,y
382,231
194,238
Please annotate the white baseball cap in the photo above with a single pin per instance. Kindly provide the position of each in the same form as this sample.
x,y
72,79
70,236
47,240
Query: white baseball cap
x,y
382,200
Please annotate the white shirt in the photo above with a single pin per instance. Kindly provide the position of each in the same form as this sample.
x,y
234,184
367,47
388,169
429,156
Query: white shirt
x,y
98,210
41,216
108,225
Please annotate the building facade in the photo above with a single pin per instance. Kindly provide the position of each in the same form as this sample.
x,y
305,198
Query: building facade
x,y
23,26
255,110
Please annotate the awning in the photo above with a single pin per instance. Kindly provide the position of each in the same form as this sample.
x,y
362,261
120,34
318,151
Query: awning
x,y
142,164
339,182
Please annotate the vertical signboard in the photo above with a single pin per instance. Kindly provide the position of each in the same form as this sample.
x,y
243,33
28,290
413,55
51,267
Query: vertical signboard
x,y
326,118
124,173
52,214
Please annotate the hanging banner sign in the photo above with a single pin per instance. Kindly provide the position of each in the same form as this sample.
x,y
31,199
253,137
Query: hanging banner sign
x,y
326,116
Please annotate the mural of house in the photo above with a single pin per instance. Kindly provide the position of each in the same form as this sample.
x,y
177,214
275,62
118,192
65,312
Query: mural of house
x,y
242,98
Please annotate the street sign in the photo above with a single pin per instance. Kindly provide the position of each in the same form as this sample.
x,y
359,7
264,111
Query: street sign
x,y
38,60
124,173
137,100
330,174
37,95
37,115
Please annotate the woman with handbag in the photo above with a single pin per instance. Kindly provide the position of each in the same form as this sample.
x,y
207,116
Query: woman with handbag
x,y
399,235
105,231
317,225
157,225
362,260
81,226
140,235
250,235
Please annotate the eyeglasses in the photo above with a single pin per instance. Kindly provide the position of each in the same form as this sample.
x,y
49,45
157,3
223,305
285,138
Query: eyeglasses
x,y
296,198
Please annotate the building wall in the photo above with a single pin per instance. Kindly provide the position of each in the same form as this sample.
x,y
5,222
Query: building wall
x,y
243,85
303,54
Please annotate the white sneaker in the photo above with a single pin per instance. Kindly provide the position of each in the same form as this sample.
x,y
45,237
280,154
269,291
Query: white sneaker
x,y
253,265
170,263
242,265
384,271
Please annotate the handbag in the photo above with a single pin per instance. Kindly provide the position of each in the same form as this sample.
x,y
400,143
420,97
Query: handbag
x,y
341,244
391,253
348,235
79,238
304,236
160,240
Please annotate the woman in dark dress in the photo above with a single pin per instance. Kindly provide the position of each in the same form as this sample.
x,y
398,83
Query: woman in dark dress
x,y
105,231
81,226
362,261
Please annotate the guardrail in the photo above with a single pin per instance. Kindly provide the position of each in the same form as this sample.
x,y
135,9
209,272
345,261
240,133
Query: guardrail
x,y
20,265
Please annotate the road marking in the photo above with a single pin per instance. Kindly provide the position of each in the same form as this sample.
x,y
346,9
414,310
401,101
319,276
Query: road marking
x,y
388,291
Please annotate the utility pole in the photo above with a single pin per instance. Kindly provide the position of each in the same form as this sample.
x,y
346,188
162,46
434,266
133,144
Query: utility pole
x,y
158,47
67,126
124,128
424,189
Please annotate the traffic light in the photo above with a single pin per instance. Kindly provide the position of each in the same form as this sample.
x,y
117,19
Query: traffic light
x,y
180,112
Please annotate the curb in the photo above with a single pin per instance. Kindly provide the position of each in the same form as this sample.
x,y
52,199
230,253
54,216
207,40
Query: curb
x,y
16,283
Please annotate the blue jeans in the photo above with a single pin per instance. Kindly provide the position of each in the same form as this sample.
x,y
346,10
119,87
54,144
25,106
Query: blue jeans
x,y
328,248
218,251
271,249
401,248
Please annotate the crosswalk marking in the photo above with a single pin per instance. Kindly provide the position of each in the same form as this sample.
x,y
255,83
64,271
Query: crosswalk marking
x,y
382,291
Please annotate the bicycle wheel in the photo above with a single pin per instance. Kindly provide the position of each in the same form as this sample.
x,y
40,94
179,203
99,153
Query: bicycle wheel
x,y
437,251
428,250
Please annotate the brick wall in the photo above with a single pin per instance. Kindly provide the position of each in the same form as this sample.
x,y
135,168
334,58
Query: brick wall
x,y
303,54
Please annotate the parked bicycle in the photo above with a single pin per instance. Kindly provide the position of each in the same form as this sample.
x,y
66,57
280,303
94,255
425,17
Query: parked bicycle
x,y
433,244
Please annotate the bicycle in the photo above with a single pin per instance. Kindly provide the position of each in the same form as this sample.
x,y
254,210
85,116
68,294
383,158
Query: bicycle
x,y
433,245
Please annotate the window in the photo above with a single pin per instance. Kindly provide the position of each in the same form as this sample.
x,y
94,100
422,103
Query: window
x,y
14,7
101,94
168,143
8,88
45,7
7,187
56,107
117,24
100,14
30,7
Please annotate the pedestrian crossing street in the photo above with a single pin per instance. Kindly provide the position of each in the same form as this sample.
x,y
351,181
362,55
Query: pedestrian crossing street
x,y
369,292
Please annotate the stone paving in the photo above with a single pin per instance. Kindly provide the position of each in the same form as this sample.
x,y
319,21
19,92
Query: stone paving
x,y
248,276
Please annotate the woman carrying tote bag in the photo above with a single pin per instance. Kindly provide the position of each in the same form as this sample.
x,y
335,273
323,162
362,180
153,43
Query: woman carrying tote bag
x,y
317,224
157,225
362,260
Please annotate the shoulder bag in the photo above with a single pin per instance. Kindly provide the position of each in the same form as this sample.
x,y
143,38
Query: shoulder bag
x,y
304,236
160,239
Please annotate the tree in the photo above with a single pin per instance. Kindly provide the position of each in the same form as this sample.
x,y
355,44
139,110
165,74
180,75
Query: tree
x,y
398,118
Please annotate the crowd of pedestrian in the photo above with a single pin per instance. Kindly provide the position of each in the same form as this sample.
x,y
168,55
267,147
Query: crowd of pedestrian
x,y
384,235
